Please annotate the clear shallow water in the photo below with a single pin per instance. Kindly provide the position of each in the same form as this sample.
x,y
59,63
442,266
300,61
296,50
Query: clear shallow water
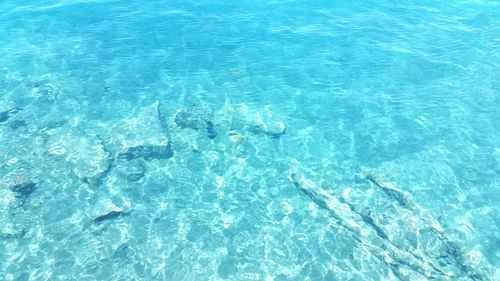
x,y
317,140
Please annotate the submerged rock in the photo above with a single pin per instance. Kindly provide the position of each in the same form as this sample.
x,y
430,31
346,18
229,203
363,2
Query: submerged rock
x,y
162,113
42,90
108,209
399,196
393,230
19,183
16,235
259,121
6,115
16,124
52,124
143,128
148,152
189,119
211,132
112,214
135,176
132,170
85,155
24,189
196,119
140,136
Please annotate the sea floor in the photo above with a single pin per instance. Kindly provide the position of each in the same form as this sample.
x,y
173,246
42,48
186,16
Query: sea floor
x,y
249,141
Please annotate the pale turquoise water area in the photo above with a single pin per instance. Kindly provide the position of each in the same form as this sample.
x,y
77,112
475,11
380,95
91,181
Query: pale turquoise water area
x,y
249,140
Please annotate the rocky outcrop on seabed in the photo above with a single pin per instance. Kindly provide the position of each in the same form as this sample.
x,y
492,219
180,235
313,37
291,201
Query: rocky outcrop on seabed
x,y
7,114
140,135
407,239
84,154
263,120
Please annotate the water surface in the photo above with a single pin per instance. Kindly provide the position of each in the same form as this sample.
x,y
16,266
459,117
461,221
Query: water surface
x,y
249,140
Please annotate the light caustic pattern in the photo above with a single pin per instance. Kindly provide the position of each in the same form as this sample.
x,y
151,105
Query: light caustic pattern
x,y
249,140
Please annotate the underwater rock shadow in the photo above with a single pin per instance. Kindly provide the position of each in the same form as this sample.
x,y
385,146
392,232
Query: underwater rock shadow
x,y
147,152
196,120
6,115
451,262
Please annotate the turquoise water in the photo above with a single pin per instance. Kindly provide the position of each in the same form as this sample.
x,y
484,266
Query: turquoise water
x,y
249,140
